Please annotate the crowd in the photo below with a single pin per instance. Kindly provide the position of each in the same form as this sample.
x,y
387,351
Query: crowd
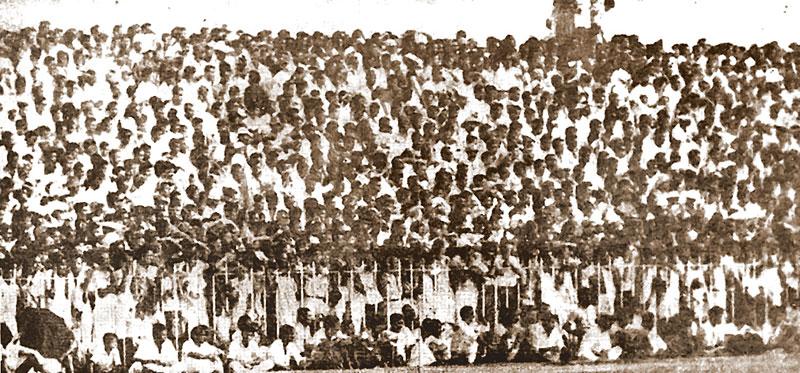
x,y
139,165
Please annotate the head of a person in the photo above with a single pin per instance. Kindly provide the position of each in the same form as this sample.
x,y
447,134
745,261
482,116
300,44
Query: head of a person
x,y
549,321
409,315
467,314
431,327
331,325
159,333
109,341
648,321
198,335
248,331
396,322
304,316
604,322
715,315
286,334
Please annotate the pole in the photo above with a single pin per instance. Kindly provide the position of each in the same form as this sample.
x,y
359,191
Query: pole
x,y
483,301
277,316
302,285
214,302
176,327
494,295
252,290
264,292
227,281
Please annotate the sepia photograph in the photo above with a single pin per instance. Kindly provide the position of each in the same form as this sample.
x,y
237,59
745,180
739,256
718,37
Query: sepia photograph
x,y
244,186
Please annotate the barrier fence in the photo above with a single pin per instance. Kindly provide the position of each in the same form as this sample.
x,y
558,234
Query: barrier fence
x,y
273,297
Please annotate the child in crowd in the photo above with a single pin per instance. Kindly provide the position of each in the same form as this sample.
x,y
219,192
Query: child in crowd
x,y
467,337
597,345
157,354
396,340
284,352
246,356
199,356
107,359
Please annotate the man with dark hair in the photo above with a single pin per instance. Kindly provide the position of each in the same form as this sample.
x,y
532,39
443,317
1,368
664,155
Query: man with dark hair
x,y
396,340
157,354
284,351
246,356
107,359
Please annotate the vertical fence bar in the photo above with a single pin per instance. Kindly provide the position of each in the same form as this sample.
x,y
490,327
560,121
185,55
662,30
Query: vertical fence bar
x,y
302,285
252,291
176,317
483,301
412,300
277,315
227,281
214,302
494,295
400,280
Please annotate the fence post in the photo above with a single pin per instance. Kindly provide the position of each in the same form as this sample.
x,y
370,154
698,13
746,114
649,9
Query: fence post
x,y
302,285
227,281
494,295
214,302
483,301
176,317
252,290
400,280
277,315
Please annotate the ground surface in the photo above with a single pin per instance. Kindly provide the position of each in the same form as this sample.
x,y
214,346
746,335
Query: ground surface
x,y
767,363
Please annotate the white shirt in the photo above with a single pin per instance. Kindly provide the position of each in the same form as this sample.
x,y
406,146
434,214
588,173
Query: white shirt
x,y
283,355
544,340
106,360
148,351
249,355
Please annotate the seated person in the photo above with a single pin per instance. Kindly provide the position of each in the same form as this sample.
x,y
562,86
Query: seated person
x,y
677,334
547,339
396,340
787,333
304,338
284,352
156,354
330,346
430,348
18,358
246,356
199,356
106,358
500,338
467,336
715,332
596,344
243,322
657,344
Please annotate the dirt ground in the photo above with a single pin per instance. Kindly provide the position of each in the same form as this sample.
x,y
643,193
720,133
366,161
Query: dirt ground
x,y
770,362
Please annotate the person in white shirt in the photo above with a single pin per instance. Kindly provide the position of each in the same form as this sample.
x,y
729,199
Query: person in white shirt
x,y
715,332
156,354
467,336
246,356
547,338
596,344
657,344
105,359
199,356
396,340
430,348
284,352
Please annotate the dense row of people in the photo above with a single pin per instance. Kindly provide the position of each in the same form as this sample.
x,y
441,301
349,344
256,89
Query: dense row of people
x,y
139,166
564,312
